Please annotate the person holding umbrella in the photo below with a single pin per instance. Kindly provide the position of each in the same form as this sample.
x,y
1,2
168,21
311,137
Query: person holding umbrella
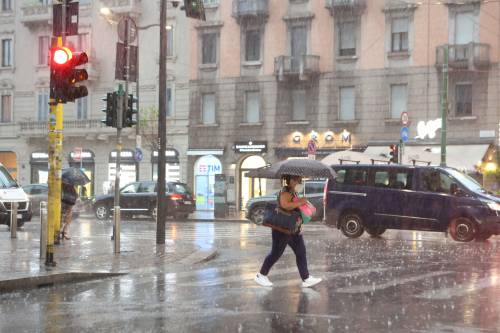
x,y
70,178
281,240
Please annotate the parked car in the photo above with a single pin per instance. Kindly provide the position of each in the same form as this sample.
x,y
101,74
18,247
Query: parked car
x,y
139,198
311,189
379,197
40,192
11,192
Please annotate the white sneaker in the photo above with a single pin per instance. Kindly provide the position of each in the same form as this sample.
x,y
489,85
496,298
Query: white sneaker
x,y
263,280
311,281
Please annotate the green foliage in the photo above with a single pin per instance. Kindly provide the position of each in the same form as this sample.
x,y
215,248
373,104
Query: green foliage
x,y
148,127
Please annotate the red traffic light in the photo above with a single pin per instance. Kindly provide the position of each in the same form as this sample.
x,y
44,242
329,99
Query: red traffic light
x,y
61,55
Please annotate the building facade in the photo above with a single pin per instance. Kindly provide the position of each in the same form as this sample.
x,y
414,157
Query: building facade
x,y
25,33
269,76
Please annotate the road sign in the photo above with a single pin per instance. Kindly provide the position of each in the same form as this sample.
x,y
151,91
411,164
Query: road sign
x,y
121,62
138,155
405,134
404,119
77,154
132,30
71,19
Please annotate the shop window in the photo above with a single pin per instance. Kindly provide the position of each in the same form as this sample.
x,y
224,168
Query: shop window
x,y
252,107
463,99
398,100
399,35
347,103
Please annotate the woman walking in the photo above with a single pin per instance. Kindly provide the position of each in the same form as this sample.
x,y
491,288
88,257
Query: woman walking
x,y
281,240
68,200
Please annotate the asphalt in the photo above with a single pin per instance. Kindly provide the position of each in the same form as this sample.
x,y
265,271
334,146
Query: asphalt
x,y
89,254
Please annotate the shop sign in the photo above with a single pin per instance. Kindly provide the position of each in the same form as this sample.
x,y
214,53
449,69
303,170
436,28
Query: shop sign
x,y
428,129
39,156
250,147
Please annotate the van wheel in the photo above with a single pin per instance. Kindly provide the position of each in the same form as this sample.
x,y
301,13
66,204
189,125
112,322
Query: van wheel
x,y
482,236
462,229
257,215
102,212
351,225
375,231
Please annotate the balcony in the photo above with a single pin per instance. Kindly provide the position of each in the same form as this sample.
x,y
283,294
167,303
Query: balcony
x,y
70,128
355,7
35,14
124,7
250,10
467,56
303,67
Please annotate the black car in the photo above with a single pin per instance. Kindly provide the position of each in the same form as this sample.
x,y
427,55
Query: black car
x,y
311,189
139,198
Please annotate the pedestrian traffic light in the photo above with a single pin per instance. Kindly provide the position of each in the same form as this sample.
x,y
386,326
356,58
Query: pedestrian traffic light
x,y
394,153
130,117
110,110
194,9
64,76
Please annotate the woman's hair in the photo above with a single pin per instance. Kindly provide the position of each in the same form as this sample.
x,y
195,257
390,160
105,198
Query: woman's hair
x,y
287,178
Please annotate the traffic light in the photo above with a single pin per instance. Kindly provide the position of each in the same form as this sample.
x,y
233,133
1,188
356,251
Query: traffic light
x,y
64,76
130,116
194,9
394,153
110,109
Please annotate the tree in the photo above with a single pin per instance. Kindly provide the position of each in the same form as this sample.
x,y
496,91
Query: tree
x,y
148,128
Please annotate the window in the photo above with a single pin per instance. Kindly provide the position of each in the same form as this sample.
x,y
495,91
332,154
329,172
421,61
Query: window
x,y
398,100
43,106
6,111
314,187
209,3
252,45
132,188
464,28
6,5
298,45
6,52
169,103
252,107
45,2
208,109
356,177
298,105
82,107
381,179
43,50
347,103
79,43
463,99
399,36
170,42
340,178
209,48
402,180
149,187
435,181
347,32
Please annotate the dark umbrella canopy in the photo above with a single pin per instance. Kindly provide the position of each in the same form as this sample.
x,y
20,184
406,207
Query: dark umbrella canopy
x,y
74,176
294,167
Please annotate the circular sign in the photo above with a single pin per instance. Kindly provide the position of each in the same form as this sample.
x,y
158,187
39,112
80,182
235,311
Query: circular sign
x,y
122,30
404,134
311,147
138,155
404,118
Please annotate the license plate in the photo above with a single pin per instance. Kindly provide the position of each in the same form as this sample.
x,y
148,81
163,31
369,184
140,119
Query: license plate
x,y
187,202
19,216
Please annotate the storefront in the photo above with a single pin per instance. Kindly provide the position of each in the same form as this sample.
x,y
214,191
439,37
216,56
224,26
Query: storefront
x,y
39,166
172,166
9,160
127,166
205,169
85,161
250,187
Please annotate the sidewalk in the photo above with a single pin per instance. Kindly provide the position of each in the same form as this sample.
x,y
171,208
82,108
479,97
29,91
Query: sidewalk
x,y
207,215
89,254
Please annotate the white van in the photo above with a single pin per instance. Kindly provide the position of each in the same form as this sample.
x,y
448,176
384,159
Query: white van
x,y
10,192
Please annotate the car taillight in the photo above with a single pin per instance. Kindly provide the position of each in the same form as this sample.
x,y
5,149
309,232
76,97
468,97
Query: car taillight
x,y
176,197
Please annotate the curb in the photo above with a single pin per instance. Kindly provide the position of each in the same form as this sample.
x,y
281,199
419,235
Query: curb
x,y
220,220
52,279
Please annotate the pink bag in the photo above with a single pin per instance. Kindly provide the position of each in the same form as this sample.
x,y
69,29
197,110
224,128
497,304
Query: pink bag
x,y
307,210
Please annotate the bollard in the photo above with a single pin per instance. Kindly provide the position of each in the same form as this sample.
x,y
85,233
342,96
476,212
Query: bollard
x,y
13,220
43,229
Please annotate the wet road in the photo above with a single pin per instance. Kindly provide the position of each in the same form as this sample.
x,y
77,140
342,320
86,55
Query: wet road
x,y
401,282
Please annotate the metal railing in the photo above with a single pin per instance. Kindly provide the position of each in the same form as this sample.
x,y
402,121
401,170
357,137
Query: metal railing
x,y
345,4
464,56
302,65
254,8
35,126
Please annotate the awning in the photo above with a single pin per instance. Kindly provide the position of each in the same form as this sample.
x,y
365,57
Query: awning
x,y
461,157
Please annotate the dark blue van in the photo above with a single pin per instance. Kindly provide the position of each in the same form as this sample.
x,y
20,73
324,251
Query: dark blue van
x,y
379,197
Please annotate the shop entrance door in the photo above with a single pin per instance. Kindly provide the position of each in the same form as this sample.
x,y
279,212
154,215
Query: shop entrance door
x,y
251,187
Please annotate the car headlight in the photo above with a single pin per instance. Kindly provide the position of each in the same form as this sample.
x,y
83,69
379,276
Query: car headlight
x,y
494,205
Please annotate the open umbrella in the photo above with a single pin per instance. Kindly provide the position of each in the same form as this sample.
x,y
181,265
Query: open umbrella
x,y
294,167
74,176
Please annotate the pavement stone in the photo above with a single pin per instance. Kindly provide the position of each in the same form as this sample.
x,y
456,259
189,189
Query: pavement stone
x,y
89,254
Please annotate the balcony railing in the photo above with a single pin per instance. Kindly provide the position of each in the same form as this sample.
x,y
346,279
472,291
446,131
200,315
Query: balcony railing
x,y
464,56
304,66
353,6
130,7
71,127
35,13
250,9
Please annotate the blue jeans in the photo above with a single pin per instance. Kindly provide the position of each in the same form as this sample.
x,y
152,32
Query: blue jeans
x,y
280,241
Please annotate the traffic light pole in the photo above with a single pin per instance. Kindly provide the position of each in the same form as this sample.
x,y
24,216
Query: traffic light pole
x,y
444,107
116,212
